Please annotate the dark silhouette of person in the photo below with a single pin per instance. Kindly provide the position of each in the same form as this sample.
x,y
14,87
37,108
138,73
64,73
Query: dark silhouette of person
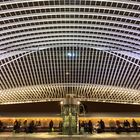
x,y
1,126
90,125
83,124
39,123
99,130
60,125
102,125
51,125
126,125
25,126
16,126
118,127
82,127
31,127
135,125
86,127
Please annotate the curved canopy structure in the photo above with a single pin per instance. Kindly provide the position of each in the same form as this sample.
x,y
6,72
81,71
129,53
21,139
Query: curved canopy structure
x,y
50,48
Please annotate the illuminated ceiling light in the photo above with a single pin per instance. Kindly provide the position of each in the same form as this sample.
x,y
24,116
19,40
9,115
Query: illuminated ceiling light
x,y
78,102
67,73
71,54
135,103
61,103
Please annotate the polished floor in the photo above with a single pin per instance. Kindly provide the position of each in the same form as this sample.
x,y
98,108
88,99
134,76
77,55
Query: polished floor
x,y
56,136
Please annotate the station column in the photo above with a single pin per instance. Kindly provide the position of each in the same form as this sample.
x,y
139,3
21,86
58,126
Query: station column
x,y
70,115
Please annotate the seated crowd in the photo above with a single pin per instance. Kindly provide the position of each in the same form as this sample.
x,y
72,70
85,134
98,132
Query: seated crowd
x,y
113,127
84,127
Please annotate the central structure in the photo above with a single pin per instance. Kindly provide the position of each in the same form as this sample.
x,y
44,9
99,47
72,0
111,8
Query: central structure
x,y
70,115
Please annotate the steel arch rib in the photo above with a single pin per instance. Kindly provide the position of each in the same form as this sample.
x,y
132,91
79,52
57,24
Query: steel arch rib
x,y
34,49
69,6
101,46
68,19
84,31
69,25
119,1
70,38
69,13
91,96
10,41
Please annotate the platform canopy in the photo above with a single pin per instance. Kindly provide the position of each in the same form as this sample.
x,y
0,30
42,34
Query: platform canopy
x,y
50,48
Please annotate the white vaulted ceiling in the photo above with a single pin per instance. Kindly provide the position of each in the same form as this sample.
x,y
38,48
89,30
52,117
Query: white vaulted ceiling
x,y
90,48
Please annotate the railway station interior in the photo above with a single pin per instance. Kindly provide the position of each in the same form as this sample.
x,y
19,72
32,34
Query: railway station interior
x,y
69,69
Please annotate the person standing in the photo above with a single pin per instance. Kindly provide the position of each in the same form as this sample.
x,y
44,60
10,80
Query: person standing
x,y
25,126
31,127
1,126
51,125
90,125
102,124
60,126
135,125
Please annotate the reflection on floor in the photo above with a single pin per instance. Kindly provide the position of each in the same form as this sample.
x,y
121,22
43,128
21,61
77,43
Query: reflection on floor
x,y
56,136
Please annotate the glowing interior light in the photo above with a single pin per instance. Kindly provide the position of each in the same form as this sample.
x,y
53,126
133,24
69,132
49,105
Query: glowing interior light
x,y
78,102
67,73
61,102
71,54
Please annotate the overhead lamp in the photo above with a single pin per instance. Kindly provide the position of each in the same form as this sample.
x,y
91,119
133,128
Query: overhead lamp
x,y
67,73
70,54
61,102
78,102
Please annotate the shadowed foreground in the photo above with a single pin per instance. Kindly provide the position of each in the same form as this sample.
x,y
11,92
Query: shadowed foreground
x,y
55,136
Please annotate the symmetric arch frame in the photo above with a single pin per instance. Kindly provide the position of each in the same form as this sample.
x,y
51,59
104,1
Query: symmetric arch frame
x,y
91,47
